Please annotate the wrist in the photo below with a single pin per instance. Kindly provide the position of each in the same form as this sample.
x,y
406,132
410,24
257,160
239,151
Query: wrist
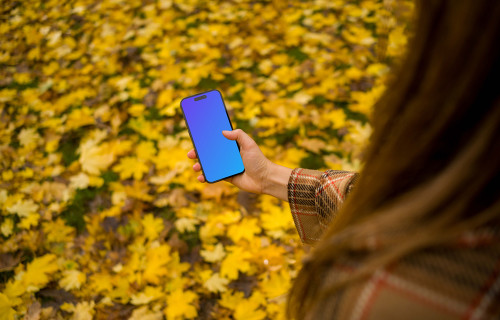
x,y
276,181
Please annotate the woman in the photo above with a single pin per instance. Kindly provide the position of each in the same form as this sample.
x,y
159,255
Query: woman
x,y
418,236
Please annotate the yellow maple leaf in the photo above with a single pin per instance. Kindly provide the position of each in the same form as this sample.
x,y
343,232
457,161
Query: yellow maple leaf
x,y
138,190
38,271
358,35
397,41
57,231
215,283
94,158
277,311
149,129
6,311
136,109
235,261
249,309
68,307
7,175
171,158
157,257
121,291
166,102
276,284
135,90
23,208
29,221
210,231
72,279
101,282
272,255
79,181
3,196
79,118
337,118
28,137
180,305
96,181
364,101
152,226
177,283
186,224
7,227
246,229
214,255
13,290
145,150
275,219
149,294
354,73
162,181
131,166
84,311
120,147
230,299
143,313
7,94
292,157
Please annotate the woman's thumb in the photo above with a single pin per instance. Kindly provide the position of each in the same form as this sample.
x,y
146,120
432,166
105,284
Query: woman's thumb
x,y
239,135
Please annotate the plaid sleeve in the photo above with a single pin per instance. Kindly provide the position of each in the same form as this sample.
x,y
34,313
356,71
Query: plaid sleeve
x,y
314,198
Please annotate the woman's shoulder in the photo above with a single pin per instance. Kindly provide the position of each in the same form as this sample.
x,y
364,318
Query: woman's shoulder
x,y
460,279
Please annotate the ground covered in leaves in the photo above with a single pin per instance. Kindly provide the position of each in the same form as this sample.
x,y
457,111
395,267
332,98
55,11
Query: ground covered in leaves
x,y
101,214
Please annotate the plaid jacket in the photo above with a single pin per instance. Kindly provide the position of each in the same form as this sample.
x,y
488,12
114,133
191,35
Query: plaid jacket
x,y
457,281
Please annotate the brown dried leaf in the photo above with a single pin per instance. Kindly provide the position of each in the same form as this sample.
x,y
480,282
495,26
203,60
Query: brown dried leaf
x,y
314,145
8,261
33,312
216,191
177,198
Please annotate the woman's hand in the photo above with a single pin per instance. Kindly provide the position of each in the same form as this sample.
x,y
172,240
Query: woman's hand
x,y
257,166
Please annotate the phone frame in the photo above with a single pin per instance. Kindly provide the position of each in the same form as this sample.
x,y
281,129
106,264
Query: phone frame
x,y
191,136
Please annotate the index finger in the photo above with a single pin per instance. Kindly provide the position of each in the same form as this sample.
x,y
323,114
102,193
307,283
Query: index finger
x,y
191,154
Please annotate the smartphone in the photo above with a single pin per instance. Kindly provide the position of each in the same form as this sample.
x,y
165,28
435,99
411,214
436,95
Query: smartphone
x,y
206,116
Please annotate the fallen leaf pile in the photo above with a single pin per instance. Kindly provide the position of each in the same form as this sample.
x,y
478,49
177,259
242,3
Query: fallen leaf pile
x,y
101,214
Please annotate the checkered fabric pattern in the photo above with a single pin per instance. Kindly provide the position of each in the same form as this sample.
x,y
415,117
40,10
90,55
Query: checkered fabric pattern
x,y
315,197
460,280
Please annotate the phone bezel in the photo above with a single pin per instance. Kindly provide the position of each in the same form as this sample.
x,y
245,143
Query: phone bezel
x,y
191,137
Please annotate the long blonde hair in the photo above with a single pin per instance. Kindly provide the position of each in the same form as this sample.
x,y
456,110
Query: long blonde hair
x,y
433,165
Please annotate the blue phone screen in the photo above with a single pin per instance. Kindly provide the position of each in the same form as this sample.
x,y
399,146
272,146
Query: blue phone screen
x,y
206,117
